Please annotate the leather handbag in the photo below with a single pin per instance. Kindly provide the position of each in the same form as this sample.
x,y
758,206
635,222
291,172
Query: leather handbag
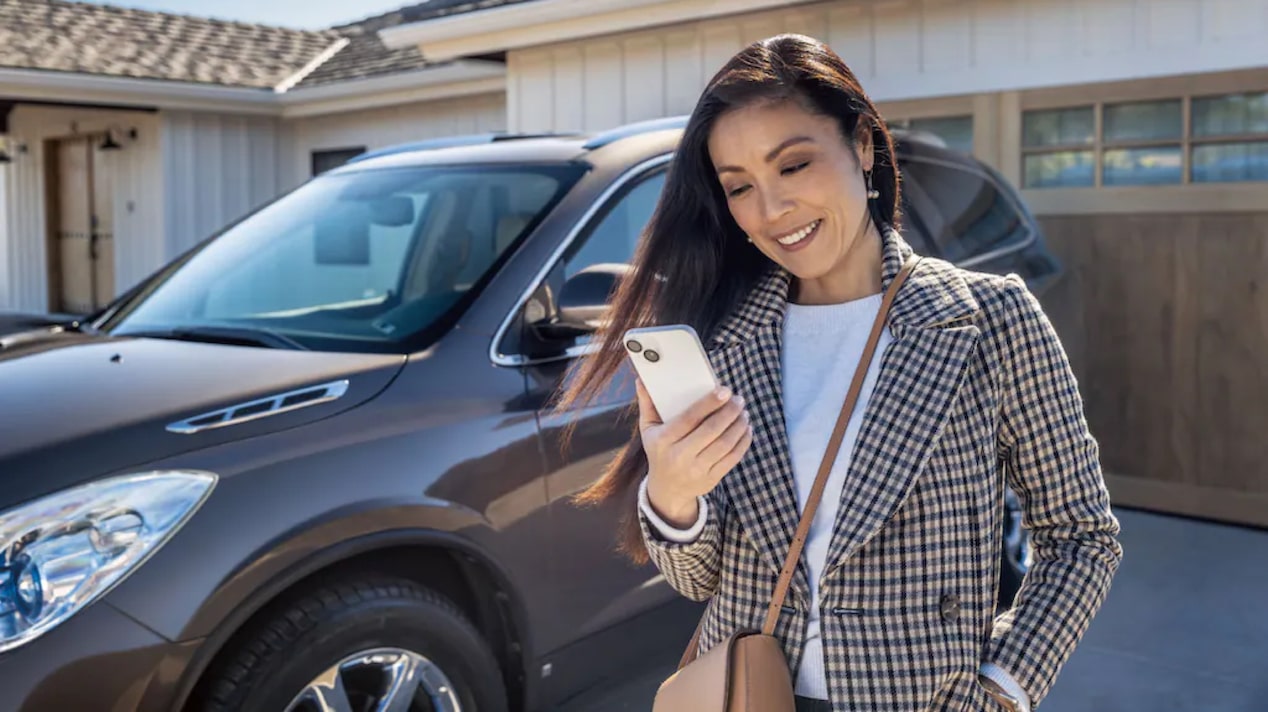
x,y
748,672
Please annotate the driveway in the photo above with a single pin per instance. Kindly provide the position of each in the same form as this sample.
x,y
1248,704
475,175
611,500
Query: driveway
x,y
1185,629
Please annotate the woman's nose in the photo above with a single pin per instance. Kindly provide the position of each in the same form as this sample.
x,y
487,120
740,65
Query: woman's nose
x,y
775,205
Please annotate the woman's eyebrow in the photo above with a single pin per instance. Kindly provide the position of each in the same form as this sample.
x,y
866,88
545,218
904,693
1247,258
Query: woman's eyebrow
x,y
772,155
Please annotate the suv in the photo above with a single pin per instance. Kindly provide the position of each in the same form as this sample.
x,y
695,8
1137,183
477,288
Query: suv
x,y
310,464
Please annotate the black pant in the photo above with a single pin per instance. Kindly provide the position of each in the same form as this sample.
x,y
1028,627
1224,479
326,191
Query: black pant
x,y
806,704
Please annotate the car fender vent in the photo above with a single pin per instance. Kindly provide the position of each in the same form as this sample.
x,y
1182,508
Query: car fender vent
x,y
261,408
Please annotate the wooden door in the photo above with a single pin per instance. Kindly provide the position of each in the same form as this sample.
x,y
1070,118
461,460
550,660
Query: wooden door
x,y
84,227
73,231
103,228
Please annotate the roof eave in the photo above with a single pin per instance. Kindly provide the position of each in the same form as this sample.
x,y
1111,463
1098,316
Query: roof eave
x,y
453,79
81,88
552,21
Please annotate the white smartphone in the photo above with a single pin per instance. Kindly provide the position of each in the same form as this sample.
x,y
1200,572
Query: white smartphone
x,y
673,365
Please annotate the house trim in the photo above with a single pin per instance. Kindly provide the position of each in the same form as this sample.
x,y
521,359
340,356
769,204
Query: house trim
x,y
552,21
455,79
290,82
127,92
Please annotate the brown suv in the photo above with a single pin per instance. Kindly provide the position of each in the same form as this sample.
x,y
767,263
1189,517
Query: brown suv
x,y
307,465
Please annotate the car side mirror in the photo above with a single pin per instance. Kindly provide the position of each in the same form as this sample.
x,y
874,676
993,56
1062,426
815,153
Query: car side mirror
x,y
582,305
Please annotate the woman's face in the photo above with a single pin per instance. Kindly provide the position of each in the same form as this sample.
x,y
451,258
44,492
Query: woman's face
x,y
793,184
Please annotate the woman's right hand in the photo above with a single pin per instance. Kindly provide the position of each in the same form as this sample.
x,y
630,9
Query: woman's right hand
x,y
690,454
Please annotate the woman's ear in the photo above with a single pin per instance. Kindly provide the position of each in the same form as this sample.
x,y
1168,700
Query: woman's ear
x,y
863,148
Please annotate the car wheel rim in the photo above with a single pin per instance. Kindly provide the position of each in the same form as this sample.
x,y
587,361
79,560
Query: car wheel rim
x,y
379,680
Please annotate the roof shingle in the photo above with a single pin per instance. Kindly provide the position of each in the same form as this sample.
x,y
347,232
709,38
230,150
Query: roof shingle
x,y
65,36
427,10
100,39
367,56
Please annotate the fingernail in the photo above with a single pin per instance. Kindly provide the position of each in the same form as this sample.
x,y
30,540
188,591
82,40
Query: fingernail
x,y
723,393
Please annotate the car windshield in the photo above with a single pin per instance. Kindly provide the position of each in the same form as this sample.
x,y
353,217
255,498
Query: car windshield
x,y
352,261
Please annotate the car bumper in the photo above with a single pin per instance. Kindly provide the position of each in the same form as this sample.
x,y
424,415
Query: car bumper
x,y
98,660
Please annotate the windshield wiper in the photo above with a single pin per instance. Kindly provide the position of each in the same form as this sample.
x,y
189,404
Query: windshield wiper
x,y
236,335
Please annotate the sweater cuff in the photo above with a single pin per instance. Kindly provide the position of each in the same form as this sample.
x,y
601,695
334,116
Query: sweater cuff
x,y
1006,681
663,528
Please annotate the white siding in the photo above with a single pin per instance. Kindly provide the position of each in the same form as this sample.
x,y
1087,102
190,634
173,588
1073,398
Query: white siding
x,y
376,128
215,170
900,49
138,198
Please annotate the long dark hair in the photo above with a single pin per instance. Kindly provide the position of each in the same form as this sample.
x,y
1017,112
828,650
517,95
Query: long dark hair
x,y
693,264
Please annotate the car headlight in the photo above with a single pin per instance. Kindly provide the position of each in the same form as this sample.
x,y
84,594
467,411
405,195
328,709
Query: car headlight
x,y
62,552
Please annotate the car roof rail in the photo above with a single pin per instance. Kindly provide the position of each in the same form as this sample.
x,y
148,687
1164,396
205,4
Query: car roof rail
x,y
640,127
432,144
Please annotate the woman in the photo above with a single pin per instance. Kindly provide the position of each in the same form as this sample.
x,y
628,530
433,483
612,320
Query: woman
x,y
775,237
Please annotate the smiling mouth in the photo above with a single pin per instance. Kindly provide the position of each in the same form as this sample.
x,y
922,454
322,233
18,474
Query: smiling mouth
x,y
803,233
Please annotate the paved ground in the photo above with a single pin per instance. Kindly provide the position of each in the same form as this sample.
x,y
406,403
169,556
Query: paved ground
x,y
1185,629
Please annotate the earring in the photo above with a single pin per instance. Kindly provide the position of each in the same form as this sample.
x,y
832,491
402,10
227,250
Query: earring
x,y
872,193
749,239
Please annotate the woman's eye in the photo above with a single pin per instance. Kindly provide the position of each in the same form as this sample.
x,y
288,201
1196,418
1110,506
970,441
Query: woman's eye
x,y
736,192
793,169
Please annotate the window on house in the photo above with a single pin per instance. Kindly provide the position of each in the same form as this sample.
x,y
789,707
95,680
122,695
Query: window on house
x,y
1230,138
955,131
333,158
1058,147
1143,143
1158,142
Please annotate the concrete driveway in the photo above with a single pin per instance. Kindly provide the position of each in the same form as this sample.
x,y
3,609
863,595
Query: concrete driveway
x,y
1185,629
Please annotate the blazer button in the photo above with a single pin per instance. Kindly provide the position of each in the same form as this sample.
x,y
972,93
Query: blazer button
x,y
950,607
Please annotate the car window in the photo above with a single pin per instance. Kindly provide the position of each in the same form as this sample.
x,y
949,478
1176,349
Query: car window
x,y
286,274
363,261
615,236
962,212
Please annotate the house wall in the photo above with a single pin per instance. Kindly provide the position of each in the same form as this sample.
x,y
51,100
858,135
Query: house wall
x,y
376,128
185,176
901,49
138,197
216,168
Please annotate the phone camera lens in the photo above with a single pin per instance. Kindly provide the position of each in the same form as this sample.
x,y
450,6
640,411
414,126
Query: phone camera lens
x,y
633,346
652,356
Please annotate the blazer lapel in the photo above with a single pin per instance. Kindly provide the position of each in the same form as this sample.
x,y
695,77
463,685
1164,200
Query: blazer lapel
x,y
921,373
746,352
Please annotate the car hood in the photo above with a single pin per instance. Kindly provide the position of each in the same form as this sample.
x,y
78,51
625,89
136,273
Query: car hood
x,y
74,406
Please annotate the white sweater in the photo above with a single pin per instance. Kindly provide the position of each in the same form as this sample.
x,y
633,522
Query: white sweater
x,y
822,345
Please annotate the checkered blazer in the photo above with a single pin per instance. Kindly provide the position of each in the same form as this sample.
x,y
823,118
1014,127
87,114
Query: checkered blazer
x,y
974,392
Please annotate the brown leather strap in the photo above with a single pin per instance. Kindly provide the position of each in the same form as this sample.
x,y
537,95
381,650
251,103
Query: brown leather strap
x,y
825,466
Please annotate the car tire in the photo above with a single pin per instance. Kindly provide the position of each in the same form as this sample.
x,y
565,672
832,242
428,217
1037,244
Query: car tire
x,y
308,635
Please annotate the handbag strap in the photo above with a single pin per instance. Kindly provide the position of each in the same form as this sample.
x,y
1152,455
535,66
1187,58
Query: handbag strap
x,y
825,466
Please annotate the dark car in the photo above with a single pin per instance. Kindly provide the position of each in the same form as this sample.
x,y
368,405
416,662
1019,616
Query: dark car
x,y
310,464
